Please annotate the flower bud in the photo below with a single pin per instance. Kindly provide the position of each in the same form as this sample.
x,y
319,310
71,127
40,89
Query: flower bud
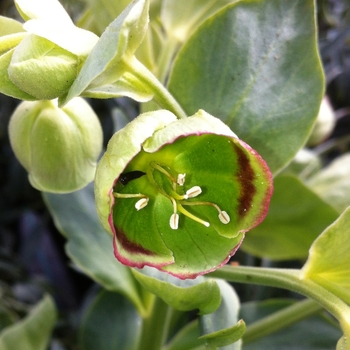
x,y
58,147
42,68
189,227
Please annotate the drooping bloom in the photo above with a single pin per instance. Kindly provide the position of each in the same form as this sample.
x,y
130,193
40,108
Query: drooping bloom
x,y
179,195
58,147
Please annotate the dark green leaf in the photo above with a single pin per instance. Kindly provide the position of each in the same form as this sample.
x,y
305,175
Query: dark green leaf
x,y
110,323
255,65
89,245
296,217
34,331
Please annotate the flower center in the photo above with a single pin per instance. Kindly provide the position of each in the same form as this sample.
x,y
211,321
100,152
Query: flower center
x,y
172,186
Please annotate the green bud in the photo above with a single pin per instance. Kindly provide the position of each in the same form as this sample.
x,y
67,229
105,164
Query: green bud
x,y
42,68
58,147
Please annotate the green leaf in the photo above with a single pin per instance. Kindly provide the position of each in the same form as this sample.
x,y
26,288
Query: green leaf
x,y
34,331
263,77
111,322
183,295
332,183
187,338
105,64
296,217
329,260
179,23
89,245
314,333
222,328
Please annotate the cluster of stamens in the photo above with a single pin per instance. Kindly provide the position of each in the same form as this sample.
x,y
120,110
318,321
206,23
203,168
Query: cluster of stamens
x,y
178,201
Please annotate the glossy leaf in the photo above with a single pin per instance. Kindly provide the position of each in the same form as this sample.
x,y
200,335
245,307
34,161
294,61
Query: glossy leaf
x,y
34,331
263,77
333,183
329,260
295,219
183,295
110,322
222,328
89,246
314,333
106,64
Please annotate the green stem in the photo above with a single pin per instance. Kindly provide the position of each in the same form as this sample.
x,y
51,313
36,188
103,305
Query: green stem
x,y
291,280
165,58
155,327
161,95
281,319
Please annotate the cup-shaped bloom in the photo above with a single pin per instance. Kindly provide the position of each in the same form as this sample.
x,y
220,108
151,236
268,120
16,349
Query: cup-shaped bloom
x,y
58,147
179,195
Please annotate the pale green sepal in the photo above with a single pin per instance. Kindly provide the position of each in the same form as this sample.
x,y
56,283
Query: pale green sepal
x,y
123,146
120,40
329,260
9,26
58,147
122,87
343,343
34,331
200,123
43,9
71,38
222,328
7,87
8,42
183,295
42,69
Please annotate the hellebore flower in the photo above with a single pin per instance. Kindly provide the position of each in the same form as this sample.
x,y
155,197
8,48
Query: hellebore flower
x,y
179,195
58,147
47,61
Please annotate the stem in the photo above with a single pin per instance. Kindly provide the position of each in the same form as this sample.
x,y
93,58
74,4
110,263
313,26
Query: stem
x,y
161,95
155,327
281,319
290,279
165,58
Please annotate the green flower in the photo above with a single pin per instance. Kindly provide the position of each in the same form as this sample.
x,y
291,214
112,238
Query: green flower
x,y
179,195
57,146
46,62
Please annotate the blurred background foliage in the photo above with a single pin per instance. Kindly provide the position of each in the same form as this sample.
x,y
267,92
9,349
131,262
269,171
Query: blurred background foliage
x,y
32,256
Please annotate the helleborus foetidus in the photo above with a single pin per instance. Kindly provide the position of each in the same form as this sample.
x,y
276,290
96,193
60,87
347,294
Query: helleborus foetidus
x,y
179,195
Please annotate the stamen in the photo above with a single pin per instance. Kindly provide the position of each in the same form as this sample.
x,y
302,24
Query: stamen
x,y
126,195
193,192
141,203
191,216
174,221
224,217
162,170
181,179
